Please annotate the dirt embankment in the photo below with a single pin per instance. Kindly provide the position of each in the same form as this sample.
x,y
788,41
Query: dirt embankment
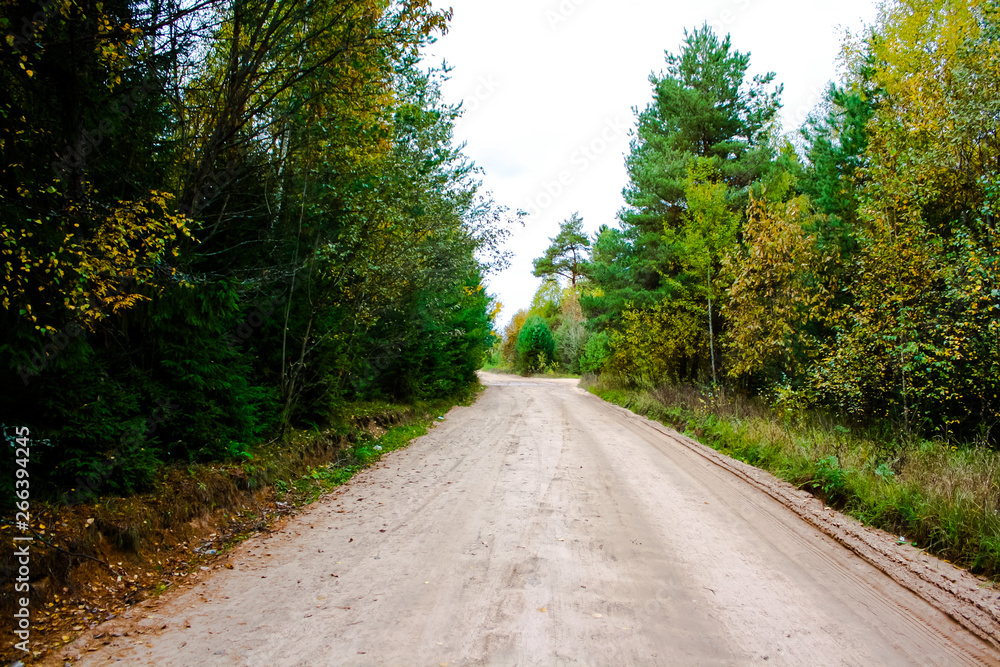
x,y
543,526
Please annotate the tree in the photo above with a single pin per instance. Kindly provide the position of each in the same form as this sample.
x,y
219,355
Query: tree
x,y
536,347
921,343
596,353
781,300
248,211
707,233
703,106
568,254
699,144
571,336
508,346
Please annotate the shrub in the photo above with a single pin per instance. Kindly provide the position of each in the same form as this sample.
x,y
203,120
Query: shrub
x,y
595,353
535,346
571,339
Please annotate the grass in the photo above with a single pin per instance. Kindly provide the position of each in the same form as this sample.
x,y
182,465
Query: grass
x,y
320,480
943,497
108,554
552,372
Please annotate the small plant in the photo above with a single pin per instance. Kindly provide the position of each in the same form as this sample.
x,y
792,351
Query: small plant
x,y
829,477
884,471
535,346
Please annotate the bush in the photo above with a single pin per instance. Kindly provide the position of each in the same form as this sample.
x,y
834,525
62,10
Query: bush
x,y
595,353
535,346
571,339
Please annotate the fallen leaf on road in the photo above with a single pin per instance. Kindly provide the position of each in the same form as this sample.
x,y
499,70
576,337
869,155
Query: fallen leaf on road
x,y
542,609
598,616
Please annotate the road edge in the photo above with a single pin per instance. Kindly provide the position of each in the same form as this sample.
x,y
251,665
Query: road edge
x,y
949,589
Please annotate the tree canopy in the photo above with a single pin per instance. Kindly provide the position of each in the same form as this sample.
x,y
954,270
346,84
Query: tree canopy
x,y
568,254
250,212
856,270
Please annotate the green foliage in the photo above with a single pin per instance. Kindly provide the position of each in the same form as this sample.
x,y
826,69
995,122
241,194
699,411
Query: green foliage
x,y
781,302
570,342
194,264
703,106
920,346
662,342
596,353
698,145
941,498
535,346
829,478
861,276
547,302
508,346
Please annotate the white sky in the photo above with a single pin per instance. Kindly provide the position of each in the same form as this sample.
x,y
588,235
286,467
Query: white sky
x,y
549,88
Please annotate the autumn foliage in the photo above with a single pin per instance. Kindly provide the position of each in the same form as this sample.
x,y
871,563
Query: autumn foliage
x,y
854,268
225,219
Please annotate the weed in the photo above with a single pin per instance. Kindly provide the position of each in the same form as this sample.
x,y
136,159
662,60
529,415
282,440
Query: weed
x,y
829,478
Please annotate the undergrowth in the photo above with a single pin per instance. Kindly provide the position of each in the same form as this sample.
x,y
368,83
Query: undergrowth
x,y
943,497
96,559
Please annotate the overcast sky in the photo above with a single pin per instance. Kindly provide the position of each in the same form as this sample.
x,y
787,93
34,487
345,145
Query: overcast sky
x,y
549,87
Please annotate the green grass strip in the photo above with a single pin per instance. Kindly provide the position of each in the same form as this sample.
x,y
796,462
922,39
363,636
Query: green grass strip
x,y
942,497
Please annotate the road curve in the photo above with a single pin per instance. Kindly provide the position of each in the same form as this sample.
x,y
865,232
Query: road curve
x,y
542,526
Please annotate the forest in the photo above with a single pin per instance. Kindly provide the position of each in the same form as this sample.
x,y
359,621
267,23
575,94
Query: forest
x,y
243,257
223,221
850,264
822,302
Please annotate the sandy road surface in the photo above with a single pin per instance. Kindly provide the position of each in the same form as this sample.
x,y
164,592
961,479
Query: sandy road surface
x,y
542,526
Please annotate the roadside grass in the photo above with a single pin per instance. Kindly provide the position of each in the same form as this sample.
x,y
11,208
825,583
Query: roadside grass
x,y
552,372
556,375
943,497
320,480
90,562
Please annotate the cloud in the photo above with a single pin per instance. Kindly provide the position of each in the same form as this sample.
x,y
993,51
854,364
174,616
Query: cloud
x,y
542,81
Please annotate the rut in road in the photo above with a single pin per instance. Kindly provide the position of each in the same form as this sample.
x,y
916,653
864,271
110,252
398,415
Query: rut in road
x,y
542,526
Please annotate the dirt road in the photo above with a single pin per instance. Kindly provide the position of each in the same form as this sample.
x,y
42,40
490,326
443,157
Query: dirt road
x,y
542,526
